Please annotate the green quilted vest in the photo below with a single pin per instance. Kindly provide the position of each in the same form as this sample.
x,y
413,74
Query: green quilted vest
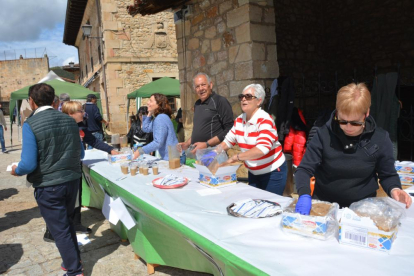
x,y
58,148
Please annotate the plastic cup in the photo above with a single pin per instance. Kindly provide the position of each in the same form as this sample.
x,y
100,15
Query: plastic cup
x,y
145,169
124,168
155,168
133,168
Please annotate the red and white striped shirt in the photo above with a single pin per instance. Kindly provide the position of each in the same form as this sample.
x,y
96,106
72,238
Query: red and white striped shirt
x,y
259,131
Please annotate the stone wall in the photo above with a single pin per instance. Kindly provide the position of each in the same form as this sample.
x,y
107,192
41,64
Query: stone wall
x,y
16,74
136,50
232,41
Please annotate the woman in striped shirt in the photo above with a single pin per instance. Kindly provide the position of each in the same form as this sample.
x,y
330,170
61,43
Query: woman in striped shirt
x,y
255,133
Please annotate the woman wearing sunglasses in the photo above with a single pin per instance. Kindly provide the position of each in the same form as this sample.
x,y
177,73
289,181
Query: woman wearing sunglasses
x,y
255,133
348,155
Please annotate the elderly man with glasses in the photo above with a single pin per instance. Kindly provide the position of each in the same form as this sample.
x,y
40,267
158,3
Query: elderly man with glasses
x,y
213,115
348,156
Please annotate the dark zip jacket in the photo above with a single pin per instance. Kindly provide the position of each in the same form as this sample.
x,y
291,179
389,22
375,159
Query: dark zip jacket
x,y
346,168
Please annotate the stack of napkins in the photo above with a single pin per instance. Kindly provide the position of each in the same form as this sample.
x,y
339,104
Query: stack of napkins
x,y
256,208
172,179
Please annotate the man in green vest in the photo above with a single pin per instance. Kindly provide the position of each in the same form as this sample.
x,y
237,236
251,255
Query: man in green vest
x,y
50,158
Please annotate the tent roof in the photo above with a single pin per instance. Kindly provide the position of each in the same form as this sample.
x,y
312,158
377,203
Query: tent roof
x,y
51,76
166,86
75,91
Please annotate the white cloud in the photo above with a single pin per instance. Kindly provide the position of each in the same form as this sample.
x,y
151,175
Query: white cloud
x,y
25,20
34,28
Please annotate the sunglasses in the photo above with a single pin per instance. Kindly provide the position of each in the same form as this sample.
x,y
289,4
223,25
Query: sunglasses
x,y
352,123
248,97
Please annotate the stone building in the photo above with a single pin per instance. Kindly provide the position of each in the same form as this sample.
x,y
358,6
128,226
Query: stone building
x,y
122,53
16,74
320,44
232,41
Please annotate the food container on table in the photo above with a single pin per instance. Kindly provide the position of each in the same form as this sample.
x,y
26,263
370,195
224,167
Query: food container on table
x,y
155,168
133,167
123,140
320,224
124,168
174,154
115,141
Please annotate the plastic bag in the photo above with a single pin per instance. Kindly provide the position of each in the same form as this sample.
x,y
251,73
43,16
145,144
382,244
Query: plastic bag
x,y
322,224
384,213
212,158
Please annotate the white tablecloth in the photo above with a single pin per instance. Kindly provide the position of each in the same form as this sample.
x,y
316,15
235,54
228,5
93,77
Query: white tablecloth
x,y
260,242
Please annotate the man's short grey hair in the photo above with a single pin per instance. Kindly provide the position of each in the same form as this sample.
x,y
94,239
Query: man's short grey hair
x,y
64,97
56,99
202,74
259,91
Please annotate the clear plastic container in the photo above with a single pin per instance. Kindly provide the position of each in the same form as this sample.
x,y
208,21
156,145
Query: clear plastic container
x,y
155,168
124,168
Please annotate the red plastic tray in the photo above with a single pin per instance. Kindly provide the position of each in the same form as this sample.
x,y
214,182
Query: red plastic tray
x,y
171,186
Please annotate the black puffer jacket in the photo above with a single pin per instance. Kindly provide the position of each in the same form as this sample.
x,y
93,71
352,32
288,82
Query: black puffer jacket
x,y
347,169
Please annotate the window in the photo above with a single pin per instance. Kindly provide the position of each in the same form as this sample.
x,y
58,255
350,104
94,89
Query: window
x,y
92,64
99,54
172,102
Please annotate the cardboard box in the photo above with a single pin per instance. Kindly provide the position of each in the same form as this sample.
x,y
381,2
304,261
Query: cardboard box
x,y
316,227
120,158
362,232
404,167
224,177
406,179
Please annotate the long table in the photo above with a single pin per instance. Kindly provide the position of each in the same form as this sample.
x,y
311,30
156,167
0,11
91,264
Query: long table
x,y
183,229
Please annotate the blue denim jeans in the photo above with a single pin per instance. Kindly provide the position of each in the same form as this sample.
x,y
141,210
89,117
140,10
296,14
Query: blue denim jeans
x,y
273,182
56,205
98,135
3,145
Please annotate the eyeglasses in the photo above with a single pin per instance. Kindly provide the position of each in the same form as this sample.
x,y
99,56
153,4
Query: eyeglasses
x,y
352,123
81,111
248,97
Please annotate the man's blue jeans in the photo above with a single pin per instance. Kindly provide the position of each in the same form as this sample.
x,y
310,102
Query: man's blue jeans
x,y
56,204
98,135
3,145
273,182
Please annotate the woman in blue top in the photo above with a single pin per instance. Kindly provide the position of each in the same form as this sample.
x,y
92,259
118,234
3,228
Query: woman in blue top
x,y
161,127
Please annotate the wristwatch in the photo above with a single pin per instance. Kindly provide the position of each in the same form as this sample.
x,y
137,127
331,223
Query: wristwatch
x,y
207,144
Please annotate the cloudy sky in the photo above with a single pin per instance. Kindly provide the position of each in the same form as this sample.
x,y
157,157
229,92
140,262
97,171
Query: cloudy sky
x,y
34,28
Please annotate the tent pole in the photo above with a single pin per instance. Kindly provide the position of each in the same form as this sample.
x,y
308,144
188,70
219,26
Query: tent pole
x,y
127,116
18,132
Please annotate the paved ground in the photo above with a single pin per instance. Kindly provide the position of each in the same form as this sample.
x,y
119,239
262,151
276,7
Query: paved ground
x,y
23,251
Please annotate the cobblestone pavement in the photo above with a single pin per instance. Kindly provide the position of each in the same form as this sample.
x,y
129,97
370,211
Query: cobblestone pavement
x,y
23,251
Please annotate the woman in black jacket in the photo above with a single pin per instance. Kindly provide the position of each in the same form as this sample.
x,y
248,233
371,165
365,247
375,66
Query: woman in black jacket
x,y
136,135
348,155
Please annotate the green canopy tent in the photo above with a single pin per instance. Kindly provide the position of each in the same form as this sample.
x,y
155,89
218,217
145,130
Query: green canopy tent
x,y
166,86
75,91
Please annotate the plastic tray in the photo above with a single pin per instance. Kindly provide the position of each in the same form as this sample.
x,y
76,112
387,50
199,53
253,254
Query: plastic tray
x,y
157,180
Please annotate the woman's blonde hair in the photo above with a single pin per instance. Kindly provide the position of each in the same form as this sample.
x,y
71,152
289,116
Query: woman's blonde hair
x,y
71,107
353,99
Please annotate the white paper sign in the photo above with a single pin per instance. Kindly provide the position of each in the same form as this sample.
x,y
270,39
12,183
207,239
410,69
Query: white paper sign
x,y
107,211
206,192
9,167
121,211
